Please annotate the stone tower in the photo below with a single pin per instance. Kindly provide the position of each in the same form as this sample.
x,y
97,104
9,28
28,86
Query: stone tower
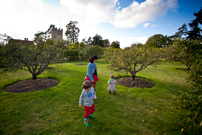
x,y
56,33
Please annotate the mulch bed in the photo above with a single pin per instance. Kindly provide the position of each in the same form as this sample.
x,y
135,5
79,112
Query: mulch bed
x,y
138,82
31,85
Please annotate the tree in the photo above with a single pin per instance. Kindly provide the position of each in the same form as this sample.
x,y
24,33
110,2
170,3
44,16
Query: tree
x,y
3,41
106,43
33,57
181,31
115,44
157,40
75,45
81,45
71,54
92,50
89,41
97,40
132,60
184,51
136,44
195,32
72,32
191,100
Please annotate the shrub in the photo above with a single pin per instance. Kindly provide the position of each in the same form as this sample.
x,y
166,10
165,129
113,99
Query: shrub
x,y
192,101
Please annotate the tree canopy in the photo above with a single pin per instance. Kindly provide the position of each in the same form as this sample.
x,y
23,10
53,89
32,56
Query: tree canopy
x,y
72,32
132,60
35,56
157,40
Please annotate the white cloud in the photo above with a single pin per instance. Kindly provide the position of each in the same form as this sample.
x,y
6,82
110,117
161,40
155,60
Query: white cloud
x,y
92,11
136,13
24,18
154,25
146,24
127,41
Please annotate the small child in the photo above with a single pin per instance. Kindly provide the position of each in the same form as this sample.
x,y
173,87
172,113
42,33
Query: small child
x,y
87,96
111,84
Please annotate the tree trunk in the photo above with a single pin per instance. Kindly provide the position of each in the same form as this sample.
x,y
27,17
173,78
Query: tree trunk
x,y
189,67
133,76
34,76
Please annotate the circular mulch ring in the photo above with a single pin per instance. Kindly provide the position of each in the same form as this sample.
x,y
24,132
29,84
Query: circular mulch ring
x,y
138,82
31,85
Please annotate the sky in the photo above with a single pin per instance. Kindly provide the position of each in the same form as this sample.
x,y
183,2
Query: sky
x,y
126,21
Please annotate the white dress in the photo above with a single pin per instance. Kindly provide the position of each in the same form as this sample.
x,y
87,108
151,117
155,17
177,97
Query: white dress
x,y
111,85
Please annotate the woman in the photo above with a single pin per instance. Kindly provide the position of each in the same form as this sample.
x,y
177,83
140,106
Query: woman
x,y
92,71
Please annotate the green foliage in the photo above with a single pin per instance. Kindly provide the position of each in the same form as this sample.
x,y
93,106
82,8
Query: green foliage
x,y
71,54
195,32
115,44
191,100
184,51
137,44
92,50
182,31
128,60
32,56
74,45
106,43
72,32
157,40
81,45
97,40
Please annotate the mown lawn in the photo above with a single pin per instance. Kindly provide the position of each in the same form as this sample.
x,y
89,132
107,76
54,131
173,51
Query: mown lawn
x,y
56,110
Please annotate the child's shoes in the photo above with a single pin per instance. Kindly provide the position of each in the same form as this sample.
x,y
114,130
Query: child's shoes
x,y
86,124
114,92
92,116
109,92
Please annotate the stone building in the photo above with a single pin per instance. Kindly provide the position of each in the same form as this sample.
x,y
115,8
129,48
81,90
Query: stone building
x,y
56,33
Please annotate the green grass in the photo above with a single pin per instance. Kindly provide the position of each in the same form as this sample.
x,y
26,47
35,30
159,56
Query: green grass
x,y
146,111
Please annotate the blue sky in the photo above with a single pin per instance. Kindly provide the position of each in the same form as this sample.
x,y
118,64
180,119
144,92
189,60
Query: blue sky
x,y
126,21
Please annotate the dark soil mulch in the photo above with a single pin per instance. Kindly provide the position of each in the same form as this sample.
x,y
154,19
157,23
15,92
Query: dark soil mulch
x,y
31,85
138,82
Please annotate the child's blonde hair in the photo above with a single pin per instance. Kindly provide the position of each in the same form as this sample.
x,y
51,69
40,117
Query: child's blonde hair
x,y
86,84
111,76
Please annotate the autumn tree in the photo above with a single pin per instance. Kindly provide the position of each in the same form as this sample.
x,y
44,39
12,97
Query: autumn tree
x,y
34,57
72,32
184,51
132,60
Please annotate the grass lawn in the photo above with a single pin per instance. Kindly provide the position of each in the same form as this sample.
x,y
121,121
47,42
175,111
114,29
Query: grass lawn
x,y
146,111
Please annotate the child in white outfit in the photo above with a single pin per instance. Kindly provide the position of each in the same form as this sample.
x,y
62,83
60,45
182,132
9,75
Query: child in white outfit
x,y
111,84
